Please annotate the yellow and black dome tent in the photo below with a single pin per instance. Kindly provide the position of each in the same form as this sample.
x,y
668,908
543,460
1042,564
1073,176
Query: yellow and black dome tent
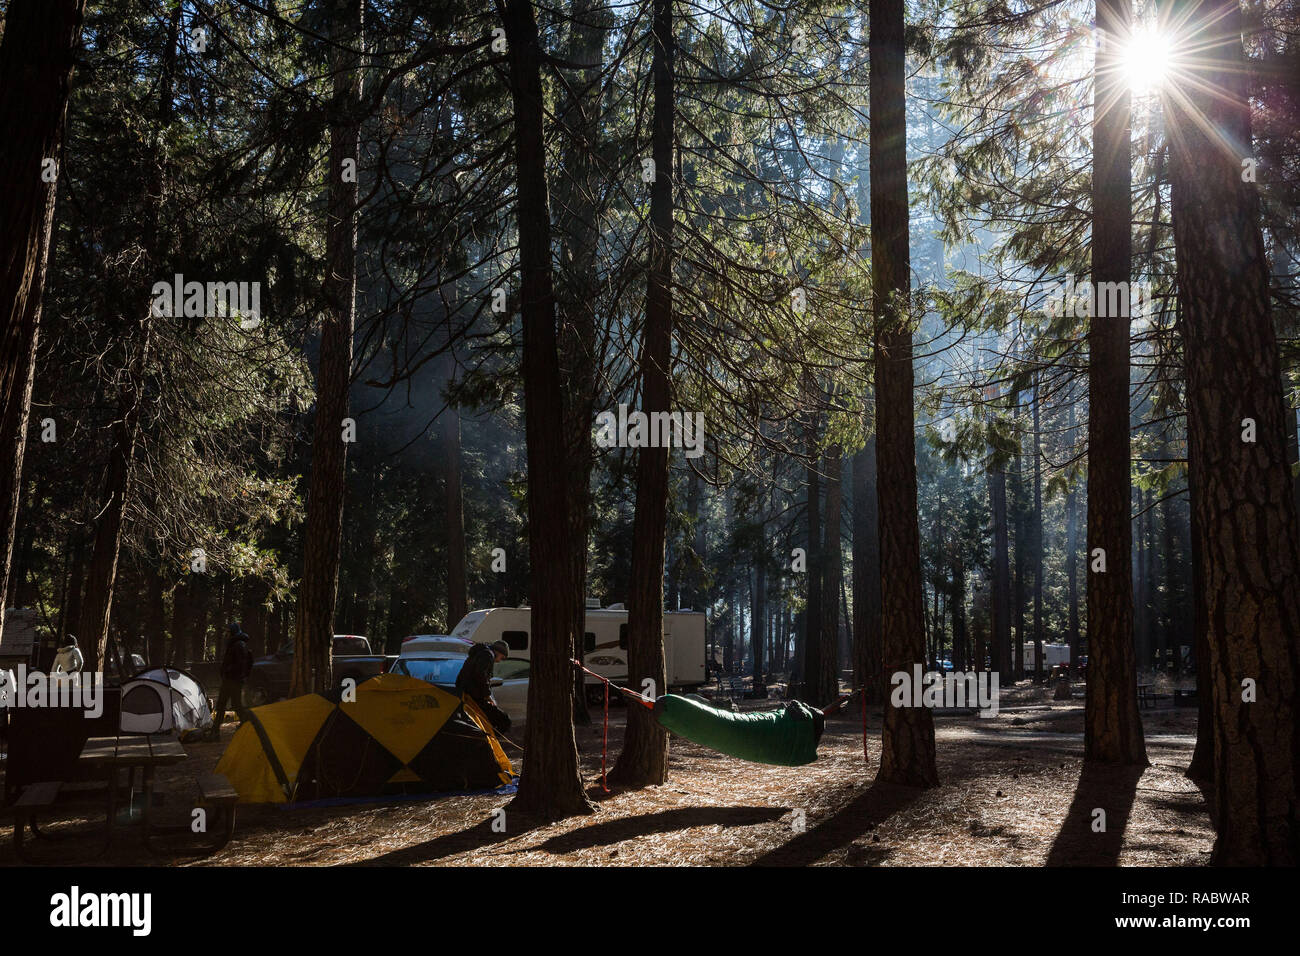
x,y
400,735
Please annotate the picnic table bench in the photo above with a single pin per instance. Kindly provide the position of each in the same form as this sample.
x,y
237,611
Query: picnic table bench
x,y
731,686
35,798
1147,696
215,792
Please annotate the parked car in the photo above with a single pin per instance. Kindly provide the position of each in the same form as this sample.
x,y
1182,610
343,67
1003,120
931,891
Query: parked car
x,y
438,658
271,674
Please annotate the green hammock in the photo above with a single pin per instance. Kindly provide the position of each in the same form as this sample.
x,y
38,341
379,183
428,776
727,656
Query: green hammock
x,y
787,737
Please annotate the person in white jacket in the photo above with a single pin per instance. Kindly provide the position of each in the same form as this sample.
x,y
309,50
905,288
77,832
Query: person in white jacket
x,y
69,660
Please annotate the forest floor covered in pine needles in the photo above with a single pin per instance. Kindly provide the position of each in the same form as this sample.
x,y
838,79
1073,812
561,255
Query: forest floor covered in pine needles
x,y
1012,793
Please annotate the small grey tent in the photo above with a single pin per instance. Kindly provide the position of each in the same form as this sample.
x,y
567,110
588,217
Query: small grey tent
x,y
162,699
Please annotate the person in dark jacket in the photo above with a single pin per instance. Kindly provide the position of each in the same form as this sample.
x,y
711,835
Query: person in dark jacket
x,y
475,679
235,668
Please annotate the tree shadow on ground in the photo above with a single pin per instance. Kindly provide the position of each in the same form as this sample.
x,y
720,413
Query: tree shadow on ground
x,y
1101,786
449,844
664,821
865,812
1206,786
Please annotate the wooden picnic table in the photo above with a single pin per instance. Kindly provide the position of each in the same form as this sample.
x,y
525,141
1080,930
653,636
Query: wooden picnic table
x,y
102,757
149,753
108,755
1147,696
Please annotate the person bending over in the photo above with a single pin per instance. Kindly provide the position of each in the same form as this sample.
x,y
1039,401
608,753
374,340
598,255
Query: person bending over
x,y
475,680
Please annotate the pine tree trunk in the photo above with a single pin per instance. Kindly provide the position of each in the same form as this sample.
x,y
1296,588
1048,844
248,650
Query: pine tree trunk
x,y
1242,495
958,604
907,737
866,576
1038,540
644,759
36,60
844,635
182,619
757,617
1001,603
1072,562
252,615
155,648
225,616
578,225
1021,539
13,437
323,531
1201,767
199,628
23,588
457,577
1141,637
365,618
810,659
1149,578
550,785
1113,728
824,686
1172,576
70,605
101,576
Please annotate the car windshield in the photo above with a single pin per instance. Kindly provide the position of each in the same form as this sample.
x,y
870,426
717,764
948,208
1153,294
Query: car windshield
x,y
509,670
442,671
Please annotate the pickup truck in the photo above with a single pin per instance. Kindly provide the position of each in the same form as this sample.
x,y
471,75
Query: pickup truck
x,y
352,658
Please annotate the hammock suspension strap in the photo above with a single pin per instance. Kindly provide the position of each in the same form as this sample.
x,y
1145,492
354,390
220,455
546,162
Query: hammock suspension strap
x,y
604,743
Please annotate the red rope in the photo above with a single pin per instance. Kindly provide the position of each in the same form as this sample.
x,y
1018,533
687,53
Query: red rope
x,y
604,743
625,691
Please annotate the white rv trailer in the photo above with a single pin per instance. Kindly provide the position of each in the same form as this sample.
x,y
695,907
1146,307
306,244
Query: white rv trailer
x,y
1053,654
605,641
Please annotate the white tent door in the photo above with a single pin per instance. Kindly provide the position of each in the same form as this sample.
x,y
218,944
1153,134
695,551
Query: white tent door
x,y
146,707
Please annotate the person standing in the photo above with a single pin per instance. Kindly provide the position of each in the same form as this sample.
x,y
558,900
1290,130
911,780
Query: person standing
x,y
236,665
69,660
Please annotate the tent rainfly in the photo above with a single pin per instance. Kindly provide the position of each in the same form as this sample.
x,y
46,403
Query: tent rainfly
x,y
398,736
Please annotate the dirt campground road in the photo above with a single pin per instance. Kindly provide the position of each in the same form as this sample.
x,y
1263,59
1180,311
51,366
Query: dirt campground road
x,y
1013,792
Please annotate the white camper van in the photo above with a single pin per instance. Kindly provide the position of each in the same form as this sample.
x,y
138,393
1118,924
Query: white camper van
x,y
605,642
1053,654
